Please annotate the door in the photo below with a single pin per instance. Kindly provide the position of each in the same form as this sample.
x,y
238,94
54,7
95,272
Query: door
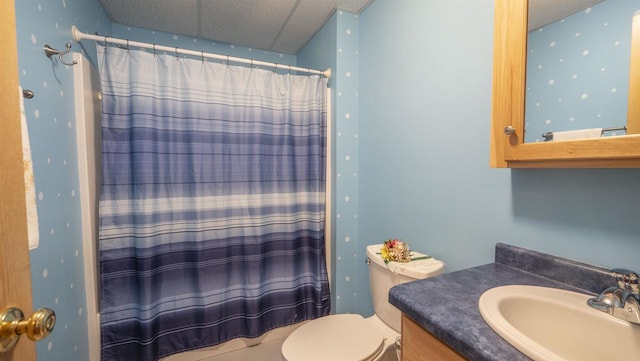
x,y
15,276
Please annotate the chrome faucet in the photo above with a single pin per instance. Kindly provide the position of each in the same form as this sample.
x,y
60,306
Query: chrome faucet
x,y
623,301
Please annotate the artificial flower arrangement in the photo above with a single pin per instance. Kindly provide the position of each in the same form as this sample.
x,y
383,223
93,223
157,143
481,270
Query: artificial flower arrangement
x,y
395,250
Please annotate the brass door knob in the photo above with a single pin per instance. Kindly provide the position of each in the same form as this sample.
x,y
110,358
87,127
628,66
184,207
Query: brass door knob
x,y
13,325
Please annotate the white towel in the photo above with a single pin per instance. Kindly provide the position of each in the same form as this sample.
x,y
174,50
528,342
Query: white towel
x,y
420,265
29,182
578,134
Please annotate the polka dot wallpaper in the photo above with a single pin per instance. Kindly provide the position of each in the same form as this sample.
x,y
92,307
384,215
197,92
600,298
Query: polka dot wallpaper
x,y
578,69
349,257
336,46
56,265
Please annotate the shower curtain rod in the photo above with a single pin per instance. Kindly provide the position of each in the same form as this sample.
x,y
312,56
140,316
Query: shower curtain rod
x,y
78,36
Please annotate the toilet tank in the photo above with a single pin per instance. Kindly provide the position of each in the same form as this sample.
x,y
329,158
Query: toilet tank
x,y
383,276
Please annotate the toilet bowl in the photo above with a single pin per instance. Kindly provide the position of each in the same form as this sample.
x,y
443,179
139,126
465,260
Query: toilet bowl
x,y
351,337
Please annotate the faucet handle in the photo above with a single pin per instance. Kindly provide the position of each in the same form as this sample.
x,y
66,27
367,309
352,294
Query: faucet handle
x,y
627,280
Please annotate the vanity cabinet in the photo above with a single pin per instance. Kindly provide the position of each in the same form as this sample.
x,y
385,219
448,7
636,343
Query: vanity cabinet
x,y
419,344
508,148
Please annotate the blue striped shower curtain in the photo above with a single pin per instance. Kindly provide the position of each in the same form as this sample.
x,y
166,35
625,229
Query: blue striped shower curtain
x,y
212,203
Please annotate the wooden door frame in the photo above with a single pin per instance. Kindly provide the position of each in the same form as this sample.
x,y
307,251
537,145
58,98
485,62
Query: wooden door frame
x,y
15,270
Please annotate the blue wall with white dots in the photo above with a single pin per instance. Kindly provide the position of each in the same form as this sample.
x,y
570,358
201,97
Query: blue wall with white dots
x,y
56,265
578,71
336,46
346,168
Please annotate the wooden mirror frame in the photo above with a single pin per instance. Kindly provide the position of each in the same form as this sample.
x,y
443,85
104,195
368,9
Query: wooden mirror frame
x,y
509,74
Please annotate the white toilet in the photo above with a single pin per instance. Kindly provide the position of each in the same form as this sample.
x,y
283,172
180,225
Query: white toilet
x,y
351,337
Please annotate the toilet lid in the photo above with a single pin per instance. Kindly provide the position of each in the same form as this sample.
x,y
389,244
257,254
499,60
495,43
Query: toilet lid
x,y
337,338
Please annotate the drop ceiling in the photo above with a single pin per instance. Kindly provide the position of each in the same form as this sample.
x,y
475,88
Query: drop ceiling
x,y
282,26
544,12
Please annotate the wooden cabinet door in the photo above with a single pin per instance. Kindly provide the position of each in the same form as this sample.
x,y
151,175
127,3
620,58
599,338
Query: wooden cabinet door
x,y
420,345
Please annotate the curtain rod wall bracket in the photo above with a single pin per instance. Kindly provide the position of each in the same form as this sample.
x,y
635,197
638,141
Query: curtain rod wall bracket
x,y
49,52
27,93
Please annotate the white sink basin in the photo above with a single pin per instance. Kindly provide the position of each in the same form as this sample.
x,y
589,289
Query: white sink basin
x,y
552,324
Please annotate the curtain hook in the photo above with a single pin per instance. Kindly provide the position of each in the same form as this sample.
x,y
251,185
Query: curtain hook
x,y
227,59
177,53
127,45
154,49
105,42
202,54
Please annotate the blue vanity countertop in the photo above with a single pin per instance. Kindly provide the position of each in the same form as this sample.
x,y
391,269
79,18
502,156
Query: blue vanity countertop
x,y
447,305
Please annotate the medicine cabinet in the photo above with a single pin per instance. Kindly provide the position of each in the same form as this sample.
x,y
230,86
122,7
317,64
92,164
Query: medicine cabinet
x,y
508,149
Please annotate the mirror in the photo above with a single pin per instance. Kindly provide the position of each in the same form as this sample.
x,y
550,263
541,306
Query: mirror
x,y
577,67
508,148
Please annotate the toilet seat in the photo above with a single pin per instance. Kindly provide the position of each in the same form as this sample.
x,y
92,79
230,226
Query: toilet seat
x,y
345,337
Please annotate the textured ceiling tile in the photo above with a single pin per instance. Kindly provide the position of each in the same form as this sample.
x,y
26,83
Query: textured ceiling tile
x,y
303,24
172,16
252,23
544,12
277,25
353,6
